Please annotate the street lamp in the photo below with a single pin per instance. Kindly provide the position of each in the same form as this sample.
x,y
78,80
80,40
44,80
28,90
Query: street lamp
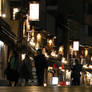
x,y
86,52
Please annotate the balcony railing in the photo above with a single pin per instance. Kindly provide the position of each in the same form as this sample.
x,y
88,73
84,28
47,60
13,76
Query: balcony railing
x,y
6,29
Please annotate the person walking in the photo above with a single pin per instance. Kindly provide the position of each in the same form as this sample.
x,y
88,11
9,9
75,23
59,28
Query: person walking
x,y
26,69
41,64
12,70
75,75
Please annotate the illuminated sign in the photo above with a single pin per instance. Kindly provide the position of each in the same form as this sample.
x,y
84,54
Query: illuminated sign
x,y
34,11
76,46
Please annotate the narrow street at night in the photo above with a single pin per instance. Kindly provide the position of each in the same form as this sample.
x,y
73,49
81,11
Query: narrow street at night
x,y
45,45
45,89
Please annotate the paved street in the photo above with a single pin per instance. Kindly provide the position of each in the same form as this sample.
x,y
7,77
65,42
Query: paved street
x,y
45,89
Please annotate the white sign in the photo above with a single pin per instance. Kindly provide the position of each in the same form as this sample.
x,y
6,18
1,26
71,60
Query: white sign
x,y
34,11
76,46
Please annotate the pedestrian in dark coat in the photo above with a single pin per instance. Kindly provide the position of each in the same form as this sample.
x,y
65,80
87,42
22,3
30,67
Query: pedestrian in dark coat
x,y
75,75
12,70
26,69
40,64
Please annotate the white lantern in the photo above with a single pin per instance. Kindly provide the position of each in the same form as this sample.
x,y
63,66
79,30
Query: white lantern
x,y
86,52
23,56
76,46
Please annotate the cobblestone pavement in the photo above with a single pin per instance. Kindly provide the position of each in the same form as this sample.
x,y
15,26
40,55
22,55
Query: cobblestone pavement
x,y
45,89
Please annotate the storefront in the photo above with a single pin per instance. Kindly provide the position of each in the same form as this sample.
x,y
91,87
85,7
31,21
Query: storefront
x,y
62,77
59,76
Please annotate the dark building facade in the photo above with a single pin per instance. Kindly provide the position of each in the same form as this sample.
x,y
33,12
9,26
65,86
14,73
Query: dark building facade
x,y
8,38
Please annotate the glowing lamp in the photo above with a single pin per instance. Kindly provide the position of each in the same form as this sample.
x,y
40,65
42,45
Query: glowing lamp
x,y
1,43
86,52
23,56
34,11
61,50
45,84
54,80
50,42
91,58
38,37
76,46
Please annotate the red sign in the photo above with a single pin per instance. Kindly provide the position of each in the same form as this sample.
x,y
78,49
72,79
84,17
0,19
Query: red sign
x,y
54,66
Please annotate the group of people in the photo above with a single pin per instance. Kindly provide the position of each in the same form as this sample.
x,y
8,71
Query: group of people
x,y
23,70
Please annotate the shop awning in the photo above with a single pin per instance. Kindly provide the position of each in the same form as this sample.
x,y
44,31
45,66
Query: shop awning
x,y
6,34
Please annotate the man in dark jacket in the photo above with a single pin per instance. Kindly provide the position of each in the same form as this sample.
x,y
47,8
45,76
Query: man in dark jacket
x,y
76,69
26,69
40,64
12,69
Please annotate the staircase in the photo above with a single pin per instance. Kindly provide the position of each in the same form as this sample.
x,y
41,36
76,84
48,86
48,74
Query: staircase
x,y
33,82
